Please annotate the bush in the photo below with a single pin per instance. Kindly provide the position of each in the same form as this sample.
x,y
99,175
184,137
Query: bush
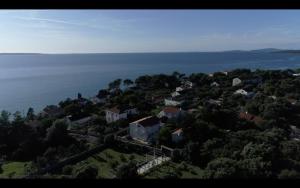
x,y
1,170
127,171
113,164
89,172
67,170
289,174
131,157
123,158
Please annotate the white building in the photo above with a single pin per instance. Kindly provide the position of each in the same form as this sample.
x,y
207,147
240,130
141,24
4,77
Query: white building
x,y
145,129
175,94
187,84
296,74
215,102
179,89
236,81
115,114
171,102
177,135
170,112
96,100
243,92
295,133
215,84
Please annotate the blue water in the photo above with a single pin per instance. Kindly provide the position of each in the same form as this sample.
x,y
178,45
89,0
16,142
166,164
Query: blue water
x,y
37,80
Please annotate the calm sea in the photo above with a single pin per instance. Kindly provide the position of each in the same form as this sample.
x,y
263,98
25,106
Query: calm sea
x,y
37,80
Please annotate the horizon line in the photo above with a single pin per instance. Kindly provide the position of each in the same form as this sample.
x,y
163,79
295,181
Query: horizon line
x,y
63,53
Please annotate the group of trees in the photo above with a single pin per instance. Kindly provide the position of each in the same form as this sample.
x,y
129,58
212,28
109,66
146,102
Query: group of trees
x,y
215,137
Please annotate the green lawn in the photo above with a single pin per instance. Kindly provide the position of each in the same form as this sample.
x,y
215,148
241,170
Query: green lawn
x,y
13,169
191,172
104,160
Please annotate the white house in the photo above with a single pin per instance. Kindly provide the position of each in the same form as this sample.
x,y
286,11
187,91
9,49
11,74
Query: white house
x,y
236,81
296,74
97,100
187,84
179,89
177,135
171,102
170,112
215,102
243,92
295,133
215,84
115,113
145,129
225,73
175,94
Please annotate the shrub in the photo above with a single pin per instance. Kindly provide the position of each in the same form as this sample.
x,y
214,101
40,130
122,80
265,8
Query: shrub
x,y
67,170
89,172
123,158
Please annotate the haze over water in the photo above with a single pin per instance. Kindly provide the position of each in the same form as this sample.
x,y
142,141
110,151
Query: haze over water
x,y
38,80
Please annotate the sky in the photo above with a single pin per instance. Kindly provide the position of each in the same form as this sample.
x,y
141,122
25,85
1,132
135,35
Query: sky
x,y
110,31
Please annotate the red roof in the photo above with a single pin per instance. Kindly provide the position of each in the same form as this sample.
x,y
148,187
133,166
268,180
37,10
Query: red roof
x,y
171,109
178,131
115,110
148,121
250,117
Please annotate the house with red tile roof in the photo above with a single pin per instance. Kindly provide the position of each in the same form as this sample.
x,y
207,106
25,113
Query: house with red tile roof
x,y
145,129
170,112
116,113
177,135
250,117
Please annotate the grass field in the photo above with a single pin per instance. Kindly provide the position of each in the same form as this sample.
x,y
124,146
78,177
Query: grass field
x,y
106,161
190,172
13,169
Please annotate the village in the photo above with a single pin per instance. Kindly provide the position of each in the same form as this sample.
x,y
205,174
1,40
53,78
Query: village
x,y
155,120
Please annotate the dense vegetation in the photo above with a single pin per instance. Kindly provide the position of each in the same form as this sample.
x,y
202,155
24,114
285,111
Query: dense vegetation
x,y
216,138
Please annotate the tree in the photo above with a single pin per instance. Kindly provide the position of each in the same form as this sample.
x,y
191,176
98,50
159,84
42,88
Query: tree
x,y
89,172
102,93
289,174
115,84
255,168
164,136
221,168
18,119
127,171
30,114
67,170
79,96
4,118
57,134
127,82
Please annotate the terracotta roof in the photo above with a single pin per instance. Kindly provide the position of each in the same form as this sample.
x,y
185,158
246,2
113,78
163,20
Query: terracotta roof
x,y
171,109
114,109
246,116
292,101
148,121
178,131
250,117
258,120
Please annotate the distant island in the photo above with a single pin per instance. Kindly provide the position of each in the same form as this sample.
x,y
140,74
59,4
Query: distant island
x,y
236,124
264,50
